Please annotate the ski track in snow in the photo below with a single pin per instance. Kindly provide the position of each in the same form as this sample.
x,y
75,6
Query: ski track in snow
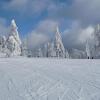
x,y
49,79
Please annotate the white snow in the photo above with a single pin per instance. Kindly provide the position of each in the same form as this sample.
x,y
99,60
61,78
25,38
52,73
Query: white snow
x,y
49,79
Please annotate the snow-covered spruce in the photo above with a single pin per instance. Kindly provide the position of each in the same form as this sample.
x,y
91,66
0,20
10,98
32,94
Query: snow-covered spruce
x,y
50,50
93,44
39,53
88,53
13,41
59,47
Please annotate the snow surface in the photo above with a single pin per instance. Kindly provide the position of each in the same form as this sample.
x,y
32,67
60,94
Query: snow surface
x,y
49,79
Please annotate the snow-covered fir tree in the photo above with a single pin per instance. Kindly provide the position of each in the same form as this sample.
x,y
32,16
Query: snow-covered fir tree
x,y
97,35
59,47
52,49
66,54
44,49
2,43
24,47
93,43
13,41
88,52
49,50
97,41
24,50
39,53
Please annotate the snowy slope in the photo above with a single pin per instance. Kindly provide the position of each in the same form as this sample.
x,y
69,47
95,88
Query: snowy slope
x,y
49,79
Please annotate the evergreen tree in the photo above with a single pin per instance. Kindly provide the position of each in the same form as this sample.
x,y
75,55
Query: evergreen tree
x,y
49,50
39,53
88,52
13,41
66,54
97,35
2,44
24,48
45,53
59,47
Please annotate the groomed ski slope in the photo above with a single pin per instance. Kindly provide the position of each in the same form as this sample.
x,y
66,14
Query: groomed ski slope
x,y
49,79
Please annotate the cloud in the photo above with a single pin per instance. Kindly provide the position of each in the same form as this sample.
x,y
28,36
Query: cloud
x,y
73,37
29,7
47,26
18,5
80,16
42,33
76,36
4,29
85,34
36,40
57,10
86,11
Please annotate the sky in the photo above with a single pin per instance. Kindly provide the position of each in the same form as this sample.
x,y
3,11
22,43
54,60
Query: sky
x,y
38,19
